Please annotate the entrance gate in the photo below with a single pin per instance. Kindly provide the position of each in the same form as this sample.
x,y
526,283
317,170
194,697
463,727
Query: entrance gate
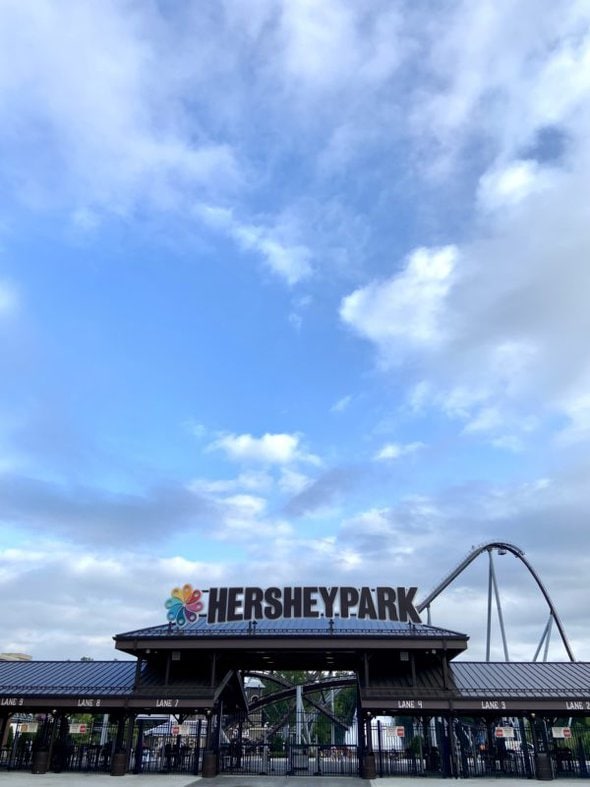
x,y
283,749
294,760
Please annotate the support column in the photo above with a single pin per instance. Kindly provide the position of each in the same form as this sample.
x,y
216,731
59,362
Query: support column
x,y
360,732
209,770
197,752
119,760
4,729
369,769
524,749
138,759
543,768
60,742
42,746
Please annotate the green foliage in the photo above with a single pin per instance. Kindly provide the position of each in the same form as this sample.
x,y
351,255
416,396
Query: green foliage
x,y
277,743
415,745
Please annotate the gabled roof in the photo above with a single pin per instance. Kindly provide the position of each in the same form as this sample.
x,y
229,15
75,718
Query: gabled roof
x,y
295,628
469,687
476,688
523,679
66,678
106,684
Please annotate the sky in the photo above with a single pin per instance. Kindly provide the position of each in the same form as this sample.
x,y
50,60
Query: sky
x,y
292,293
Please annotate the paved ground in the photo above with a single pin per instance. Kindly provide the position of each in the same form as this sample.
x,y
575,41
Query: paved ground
x,y
16,779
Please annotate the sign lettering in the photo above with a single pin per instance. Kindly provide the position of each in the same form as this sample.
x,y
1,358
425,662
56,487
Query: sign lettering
x,y
411,704
493,705
577,705
166,703
253,603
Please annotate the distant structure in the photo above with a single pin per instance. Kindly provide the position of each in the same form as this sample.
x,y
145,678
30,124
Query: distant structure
x,y
15,657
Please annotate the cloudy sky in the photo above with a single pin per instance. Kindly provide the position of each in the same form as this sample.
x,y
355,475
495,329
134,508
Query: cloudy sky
x,y
292,292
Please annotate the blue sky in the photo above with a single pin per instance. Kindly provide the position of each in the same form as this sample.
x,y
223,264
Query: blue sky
x,y
291,292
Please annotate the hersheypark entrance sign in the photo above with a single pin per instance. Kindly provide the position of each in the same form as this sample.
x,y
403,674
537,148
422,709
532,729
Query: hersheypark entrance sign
x,y
234,604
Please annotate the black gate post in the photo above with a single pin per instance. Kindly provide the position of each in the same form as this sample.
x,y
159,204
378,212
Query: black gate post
x,y
138,760
581,754
119,759
59,754
369,770
443,746
209,770
41,747
360,734
197,749
524,748
380,748
544,771
4,719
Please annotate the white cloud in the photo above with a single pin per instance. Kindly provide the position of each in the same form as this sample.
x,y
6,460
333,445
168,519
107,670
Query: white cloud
x,y
342,404
286,258
85,220
290,262
397,450
328,46
57,627
291,482
509,443
198,430
255,482
507,186
245,507
406,309
504,333
503,71
576,406
485,420
279,449
245,519
8,298
94,117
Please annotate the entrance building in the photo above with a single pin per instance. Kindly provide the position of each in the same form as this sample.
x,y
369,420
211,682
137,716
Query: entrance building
x,y
196,697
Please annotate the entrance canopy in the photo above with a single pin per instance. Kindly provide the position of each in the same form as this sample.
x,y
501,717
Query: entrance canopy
x,y
296,643
400,669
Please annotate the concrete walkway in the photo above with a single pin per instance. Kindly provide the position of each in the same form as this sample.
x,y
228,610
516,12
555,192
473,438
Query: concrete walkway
x,y
20,779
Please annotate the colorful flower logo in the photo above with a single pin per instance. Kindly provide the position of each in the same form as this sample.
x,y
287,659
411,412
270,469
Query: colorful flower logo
x,y
184,605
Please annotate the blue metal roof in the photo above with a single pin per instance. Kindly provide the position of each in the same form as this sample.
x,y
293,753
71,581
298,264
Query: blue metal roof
x,y
295,627
113,678
521,679
468,679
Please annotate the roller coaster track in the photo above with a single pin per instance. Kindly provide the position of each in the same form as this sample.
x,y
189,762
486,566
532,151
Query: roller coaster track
x,y
287,691
501,548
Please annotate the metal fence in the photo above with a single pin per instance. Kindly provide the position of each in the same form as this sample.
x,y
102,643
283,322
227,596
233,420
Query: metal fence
x,y
293,760
150,746
449,747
